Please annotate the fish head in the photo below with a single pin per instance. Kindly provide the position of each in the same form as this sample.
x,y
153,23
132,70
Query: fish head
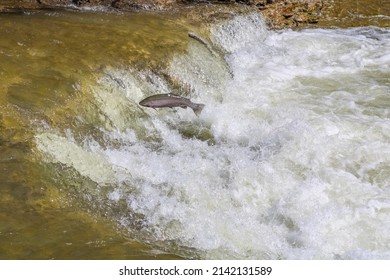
x,y
145,103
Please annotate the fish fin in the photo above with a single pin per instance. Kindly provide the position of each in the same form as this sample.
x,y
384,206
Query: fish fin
x,y
197,108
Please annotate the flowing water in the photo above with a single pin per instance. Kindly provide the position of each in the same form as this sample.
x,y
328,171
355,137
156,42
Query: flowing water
x,y
290,158
347,13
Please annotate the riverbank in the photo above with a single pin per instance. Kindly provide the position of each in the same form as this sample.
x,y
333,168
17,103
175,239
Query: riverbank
x,y
278,13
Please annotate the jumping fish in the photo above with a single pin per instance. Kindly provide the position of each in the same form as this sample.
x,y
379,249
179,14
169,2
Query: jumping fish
x,y
171,100
203,42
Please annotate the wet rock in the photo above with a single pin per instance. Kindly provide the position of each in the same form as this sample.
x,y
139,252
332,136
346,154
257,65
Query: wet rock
x,y
50,3
293,13
144,4
278,13
9,5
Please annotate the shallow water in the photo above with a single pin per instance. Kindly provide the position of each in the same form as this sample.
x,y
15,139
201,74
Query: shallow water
x,y
46,70
288,160
348,13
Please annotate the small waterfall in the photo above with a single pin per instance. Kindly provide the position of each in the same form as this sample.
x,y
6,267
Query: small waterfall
x,y
288,159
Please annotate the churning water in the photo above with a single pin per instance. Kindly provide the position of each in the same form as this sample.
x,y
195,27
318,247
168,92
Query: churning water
x,y
290,158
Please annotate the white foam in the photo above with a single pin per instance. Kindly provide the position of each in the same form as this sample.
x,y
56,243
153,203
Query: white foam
x,y
297,163
239,33
88,163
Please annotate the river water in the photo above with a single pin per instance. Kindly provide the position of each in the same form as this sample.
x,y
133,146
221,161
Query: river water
x,y
288,160
347,13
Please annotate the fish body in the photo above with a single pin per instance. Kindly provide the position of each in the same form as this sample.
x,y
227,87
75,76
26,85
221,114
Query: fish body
x,y
170,101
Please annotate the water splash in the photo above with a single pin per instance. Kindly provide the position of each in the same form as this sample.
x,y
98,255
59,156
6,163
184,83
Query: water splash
x,y
288,159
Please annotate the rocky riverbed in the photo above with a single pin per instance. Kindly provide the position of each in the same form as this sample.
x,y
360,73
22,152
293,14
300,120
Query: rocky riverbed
x,y
278,13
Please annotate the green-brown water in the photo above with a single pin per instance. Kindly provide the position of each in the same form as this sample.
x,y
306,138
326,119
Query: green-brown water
x,y
347,13
45,60
52,67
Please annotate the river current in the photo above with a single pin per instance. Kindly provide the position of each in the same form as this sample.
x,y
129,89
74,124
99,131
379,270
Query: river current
x,y
290,158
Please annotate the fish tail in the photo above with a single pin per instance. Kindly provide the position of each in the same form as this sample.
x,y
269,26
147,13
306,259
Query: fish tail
x,y
197,108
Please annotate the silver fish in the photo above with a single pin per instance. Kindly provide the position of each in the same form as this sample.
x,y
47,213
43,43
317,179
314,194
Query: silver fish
x,y
171,100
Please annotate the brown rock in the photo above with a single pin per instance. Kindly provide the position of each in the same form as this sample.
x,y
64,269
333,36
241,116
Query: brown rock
x,y
144,4
278,13
17,4
288,12
92,2
58,3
